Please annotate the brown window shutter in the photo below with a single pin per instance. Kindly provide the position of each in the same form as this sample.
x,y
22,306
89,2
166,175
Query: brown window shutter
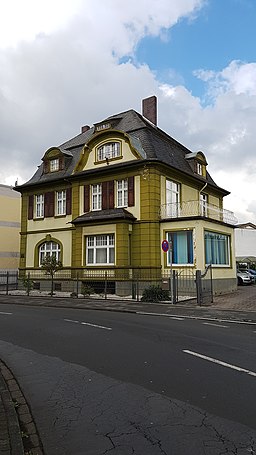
x,y
46,167
61,163
131,191
86,198
111,195
30,207
105,195
68,201
108,195
49,204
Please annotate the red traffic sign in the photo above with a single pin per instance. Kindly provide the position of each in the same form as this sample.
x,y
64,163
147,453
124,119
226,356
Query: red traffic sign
x,y
165,246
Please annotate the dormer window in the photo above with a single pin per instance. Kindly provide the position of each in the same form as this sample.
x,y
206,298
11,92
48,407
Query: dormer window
x,y
108,151
197,162
54,165
199,168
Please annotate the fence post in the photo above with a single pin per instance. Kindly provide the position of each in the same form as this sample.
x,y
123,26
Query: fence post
x,y
137,288
174,287
7,283
199,287
105,285
77,285
211,283
28,287
17,280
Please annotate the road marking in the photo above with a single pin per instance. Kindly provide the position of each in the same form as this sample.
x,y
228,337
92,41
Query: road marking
x,y
199,318
219,362
97,326
88,323
71,320
177,319
3,312
215,325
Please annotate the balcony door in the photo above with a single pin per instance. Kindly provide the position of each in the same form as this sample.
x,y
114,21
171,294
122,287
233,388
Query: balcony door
x,y
172,199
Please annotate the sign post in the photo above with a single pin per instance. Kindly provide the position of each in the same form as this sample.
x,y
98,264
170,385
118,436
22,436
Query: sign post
x,y
166,246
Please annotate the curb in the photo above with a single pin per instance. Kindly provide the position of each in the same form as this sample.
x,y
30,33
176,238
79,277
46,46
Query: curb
x,y
11,440
23,434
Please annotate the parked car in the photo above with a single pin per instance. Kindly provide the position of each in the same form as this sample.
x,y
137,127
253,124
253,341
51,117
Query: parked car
x,y
252,274
243,277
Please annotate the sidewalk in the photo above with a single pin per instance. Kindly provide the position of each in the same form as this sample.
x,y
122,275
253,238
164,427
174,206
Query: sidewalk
x,y
10,434
224,307
239,307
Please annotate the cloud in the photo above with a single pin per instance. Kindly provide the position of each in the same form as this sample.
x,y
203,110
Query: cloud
x,y
59,75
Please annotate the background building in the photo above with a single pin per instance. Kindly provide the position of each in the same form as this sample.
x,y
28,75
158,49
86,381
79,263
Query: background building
x,y
10,213
245,244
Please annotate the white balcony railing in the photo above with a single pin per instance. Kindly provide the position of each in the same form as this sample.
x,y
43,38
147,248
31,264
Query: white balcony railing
x,y
197,208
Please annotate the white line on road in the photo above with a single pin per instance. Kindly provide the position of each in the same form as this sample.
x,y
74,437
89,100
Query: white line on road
x,y
177,319
215,325
88,323
71,320
3,312
219,362
97,326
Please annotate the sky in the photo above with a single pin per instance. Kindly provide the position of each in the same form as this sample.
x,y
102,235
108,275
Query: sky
x,y
64,64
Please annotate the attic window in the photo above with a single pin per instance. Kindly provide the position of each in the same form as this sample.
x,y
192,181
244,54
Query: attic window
x,y
108,151
199,168
103,126
54,165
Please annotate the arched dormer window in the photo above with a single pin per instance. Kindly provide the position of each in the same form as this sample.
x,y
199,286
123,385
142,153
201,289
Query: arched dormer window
x,y
54,160
108,151
197,162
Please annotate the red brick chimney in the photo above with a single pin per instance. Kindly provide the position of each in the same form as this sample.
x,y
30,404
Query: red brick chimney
x,y
149,109
85,128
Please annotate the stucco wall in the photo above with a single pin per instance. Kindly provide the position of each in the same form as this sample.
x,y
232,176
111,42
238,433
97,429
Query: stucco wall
x,y
10,215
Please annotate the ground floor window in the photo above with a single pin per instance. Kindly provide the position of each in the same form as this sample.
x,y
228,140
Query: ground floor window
x,y
181,251
217,247
100,249
51,248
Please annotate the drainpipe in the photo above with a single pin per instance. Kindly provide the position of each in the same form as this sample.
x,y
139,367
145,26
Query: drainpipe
x,y
203,188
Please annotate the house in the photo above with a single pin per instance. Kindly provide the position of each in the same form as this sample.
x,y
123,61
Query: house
x,y
104,201
10,213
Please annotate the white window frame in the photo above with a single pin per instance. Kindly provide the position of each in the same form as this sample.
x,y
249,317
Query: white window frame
x,y
175,252
96,196
172,198
203,204
51,248
215,250
61,200
100,244
199,168
122,193
108,151
54,165
39,206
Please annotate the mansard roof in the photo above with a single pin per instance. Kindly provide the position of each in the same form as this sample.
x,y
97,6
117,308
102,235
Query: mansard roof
x,y
151,142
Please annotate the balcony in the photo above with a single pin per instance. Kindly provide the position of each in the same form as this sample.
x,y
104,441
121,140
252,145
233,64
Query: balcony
x,y
197,209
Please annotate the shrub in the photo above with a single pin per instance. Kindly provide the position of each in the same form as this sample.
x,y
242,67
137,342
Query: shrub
x,y
87,290
155,293
28,284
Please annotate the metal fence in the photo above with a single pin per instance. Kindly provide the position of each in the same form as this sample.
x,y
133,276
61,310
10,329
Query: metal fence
x,y
112,283
8,280
204,285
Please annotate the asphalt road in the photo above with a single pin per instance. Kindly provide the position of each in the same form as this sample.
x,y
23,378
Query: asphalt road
x,y
116,383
